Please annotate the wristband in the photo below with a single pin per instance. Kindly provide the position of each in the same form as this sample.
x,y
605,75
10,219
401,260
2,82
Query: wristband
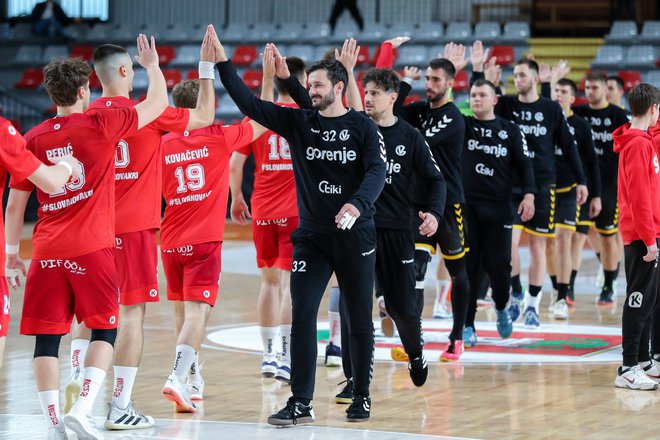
x,y
12,248
66,165
206,70
407,80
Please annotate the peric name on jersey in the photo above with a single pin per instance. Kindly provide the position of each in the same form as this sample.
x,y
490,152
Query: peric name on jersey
x,y
54,153
186,156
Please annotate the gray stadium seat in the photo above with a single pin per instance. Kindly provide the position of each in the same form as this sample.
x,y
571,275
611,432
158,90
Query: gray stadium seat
x,y
403,30
608,56
429,32
412,55
320,51
290,33
317,33
235,33
182,33
302,51
652,77
27,55
458,32
21,31
227,108
140,79
640,56
100,32
373,33
187,55
651,31
622,31
262,33
52,52
487,31
126,32
516,31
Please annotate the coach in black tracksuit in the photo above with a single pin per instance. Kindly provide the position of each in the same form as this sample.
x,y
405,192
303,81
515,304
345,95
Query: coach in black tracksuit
x,y
408,155
339,165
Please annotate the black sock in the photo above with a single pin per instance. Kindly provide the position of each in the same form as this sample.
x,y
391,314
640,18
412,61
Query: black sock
x,y
534,290
562,289
516,286
610,275
598,256
571,284
553,278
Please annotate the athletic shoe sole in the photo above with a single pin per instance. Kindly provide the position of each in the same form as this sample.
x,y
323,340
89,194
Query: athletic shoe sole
x,y
353,419
71,393
344,400
79,429
173,396
622,383
120,426
281,422
333,361
283,377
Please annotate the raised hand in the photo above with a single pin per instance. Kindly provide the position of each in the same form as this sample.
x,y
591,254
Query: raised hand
x,y
281,69
268,62
147,55
397,41
412,72
478,56
349,54
456,54
207,49
220,53
544,72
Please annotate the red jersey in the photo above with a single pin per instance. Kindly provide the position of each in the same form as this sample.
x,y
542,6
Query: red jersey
x,y
274,194
196,182
138,170
80,218
638,185
16,159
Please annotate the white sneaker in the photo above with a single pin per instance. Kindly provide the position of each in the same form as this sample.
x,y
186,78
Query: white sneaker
x,y
176,392
634,378
283,373
127,418
440,311
83,426
72,390
196,389
652,370
553,299
58,433
560,310
269,365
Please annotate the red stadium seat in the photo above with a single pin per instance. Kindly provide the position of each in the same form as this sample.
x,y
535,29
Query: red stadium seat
x,y
581,100
192,74
31,79
85,52
166,54
630,78
461,81
252,78
172,77
363,56
244,55
505,55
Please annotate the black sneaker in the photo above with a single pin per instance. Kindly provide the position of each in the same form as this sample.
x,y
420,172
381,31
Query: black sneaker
x,y
346,394
418,370
359,410
293,413
606,298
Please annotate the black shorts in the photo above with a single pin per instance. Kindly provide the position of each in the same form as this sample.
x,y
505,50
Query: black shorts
x,y
450,235
566,208
607,222
583,220
543,222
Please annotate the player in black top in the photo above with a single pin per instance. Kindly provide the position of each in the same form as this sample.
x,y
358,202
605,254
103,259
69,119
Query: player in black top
x,y
615,90
339,164
604,119
443,128
495,150
545,127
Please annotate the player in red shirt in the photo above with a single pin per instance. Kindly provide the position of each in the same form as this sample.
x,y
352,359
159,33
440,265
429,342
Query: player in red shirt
x,y
22,164
138,178
274,218
196,190
73,271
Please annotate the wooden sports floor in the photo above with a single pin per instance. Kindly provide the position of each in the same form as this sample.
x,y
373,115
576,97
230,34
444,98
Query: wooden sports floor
x,y
556,383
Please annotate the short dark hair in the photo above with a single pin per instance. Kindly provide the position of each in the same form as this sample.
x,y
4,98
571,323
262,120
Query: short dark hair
x,y
618,80
597,76
185,93
642,97
329,54
296,68
533,65
62,79
568,83
444,64
485,82
105,51
385,79
334,69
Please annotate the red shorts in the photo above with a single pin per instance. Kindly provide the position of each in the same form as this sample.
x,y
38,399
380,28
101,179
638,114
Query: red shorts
x,y
272,239
58,289
136,259
4,307
193,272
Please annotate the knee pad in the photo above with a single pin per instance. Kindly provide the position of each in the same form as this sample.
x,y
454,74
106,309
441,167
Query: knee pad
x,y
106,335
333,303
47,345
422,259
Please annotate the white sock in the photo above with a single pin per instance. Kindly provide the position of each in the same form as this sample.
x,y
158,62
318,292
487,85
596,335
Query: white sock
x,y
50,405
285,334
531,301
645,364
335,328
194,370
269,339
124,380
78,353
442,287
92,380
183,359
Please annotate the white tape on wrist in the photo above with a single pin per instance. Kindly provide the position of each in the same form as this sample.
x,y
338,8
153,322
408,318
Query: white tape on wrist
x,y
12,248
206,70
66,165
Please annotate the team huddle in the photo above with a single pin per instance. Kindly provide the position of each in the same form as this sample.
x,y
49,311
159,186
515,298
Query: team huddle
x,y
352,183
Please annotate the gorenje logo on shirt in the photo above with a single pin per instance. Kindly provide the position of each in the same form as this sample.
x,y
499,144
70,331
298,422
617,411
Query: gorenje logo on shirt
x,y
326,187
344,155
484,170
392,168
495,150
